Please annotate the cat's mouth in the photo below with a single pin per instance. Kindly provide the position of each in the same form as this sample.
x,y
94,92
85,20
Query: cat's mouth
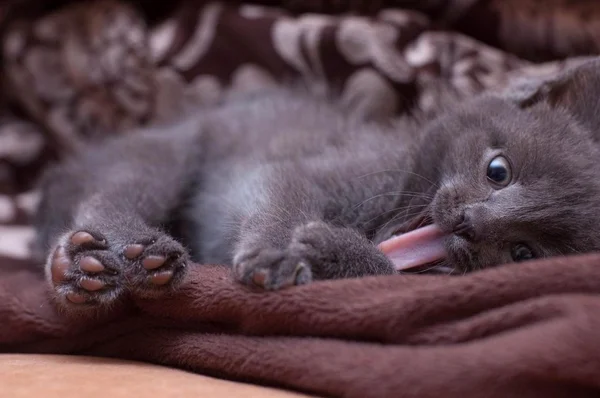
x,y
418,244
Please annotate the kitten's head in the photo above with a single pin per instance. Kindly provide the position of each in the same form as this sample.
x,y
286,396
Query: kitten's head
x,y
521,179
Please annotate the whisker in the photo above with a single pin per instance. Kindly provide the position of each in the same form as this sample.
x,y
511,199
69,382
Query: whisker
x,y
395,193
441,265
427,269
400,171
573,250
399,215
396,209
430,201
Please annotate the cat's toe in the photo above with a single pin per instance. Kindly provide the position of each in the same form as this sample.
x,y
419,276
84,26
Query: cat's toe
x,y
84,238
271,269
83,273
160,266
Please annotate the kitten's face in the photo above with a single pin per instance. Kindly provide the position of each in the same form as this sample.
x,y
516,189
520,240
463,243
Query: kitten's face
x,y
514,185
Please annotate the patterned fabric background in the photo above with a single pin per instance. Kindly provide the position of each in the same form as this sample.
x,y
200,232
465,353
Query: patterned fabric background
x,y
75,72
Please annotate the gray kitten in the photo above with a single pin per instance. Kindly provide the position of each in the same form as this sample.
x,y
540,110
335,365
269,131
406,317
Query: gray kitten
x,y
287,188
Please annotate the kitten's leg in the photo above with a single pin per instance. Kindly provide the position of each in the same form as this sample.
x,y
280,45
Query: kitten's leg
x,y
286,239
107,238
314,250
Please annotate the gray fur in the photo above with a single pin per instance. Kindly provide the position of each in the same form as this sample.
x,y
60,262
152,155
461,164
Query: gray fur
x,y
288,188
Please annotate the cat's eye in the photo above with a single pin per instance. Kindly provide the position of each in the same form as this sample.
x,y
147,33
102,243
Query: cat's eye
x,y
521,252
499,171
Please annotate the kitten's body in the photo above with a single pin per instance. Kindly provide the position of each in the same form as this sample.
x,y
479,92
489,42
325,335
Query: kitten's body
x,y
287,188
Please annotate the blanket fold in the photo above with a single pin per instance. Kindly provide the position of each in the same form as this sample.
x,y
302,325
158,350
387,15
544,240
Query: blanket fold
x,y
526,330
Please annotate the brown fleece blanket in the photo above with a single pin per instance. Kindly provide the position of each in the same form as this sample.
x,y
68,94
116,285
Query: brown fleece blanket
x,y
528,330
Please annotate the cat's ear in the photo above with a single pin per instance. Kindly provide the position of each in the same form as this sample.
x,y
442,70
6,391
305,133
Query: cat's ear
x,y
576,91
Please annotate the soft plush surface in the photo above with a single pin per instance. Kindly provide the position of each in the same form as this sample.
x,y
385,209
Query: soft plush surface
x,y
75,72
529,330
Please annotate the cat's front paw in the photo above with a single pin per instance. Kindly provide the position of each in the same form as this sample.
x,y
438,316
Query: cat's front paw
x,y
316,251
270,268
93,269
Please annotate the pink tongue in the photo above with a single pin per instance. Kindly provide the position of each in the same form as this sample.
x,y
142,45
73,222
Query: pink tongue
x,y
412,249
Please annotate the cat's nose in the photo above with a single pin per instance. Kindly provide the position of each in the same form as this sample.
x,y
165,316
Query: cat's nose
x,y
465,229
